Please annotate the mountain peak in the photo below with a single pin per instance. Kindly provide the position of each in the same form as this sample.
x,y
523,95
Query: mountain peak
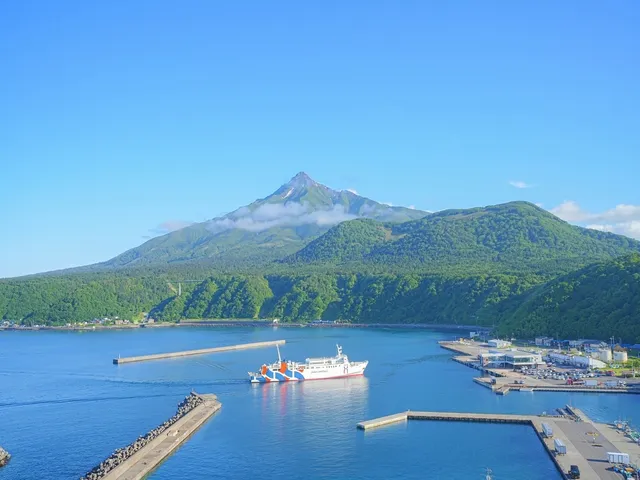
x,y
302,180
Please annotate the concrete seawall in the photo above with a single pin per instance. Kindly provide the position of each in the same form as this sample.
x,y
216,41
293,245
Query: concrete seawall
x,y
574,429
445,417
202,351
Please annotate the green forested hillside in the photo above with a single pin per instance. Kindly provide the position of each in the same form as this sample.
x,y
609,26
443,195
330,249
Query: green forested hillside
x,y
59,300
513,266
393,298
510,238
348,242
598,301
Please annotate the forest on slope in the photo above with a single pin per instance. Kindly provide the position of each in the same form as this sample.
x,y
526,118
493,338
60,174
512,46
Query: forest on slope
x,y
511,238
598,301
512,265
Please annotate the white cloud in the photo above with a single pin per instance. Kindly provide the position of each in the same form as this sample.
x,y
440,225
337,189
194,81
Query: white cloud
x,y
539,205
274,214
630,229
622,219
352,190
602,228
571,212
519,184
388,204
171,226
412,207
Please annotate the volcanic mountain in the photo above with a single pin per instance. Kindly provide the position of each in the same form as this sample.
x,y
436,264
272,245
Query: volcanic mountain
x,y
267,229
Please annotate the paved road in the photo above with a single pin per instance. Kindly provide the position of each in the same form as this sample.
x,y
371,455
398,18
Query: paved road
x,y
594,452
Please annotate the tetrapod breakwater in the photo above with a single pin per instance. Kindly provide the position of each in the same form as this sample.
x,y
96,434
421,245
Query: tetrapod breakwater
x,y
4,457
140,457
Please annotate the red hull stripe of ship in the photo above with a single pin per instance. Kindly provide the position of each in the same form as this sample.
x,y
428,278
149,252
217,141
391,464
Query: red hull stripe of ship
x,y
287,379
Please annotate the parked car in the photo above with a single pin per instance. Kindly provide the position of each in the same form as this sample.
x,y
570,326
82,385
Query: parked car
x,y
574,472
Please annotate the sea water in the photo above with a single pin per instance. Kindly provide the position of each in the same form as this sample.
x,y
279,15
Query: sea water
x,y
64,407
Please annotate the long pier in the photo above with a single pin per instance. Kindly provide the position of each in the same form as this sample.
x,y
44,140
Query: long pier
x,y
202,351
574,430
445,417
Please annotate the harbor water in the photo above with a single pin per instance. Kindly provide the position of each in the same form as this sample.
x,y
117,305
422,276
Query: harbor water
x,y
64,407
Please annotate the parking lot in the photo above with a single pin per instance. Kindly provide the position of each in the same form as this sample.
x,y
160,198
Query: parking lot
x,y
559,375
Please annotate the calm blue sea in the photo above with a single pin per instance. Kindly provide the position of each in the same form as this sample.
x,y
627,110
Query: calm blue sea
x,y
64,407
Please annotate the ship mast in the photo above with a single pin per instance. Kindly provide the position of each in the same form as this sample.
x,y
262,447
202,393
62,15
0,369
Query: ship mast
x,y
279,358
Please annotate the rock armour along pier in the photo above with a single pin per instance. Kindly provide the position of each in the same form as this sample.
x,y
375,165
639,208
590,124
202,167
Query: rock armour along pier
x,y
202,351
139,458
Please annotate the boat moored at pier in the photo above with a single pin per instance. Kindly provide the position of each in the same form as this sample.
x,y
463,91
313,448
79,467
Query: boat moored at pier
x,y
321,368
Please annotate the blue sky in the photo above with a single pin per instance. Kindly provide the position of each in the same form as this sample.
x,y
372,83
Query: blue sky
x,y
117,117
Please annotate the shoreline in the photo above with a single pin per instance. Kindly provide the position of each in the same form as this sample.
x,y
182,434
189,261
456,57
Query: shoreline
x,y
231,323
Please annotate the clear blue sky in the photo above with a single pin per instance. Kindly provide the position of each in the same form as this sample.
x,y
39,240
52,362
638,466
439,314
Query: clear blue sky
x,y
118,116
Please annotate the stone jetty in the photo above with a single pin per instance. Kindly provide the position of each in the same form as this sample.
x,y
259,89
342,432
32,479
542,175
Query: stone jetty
x,y
121,455
4,457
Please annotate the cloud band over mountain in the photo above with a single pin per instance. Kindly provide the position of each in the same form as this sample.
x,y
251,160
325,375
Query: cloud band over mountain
x,y
279,215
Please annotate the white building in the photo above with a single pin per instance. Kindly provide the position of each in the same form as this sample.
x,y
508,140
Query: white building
x,y
495,343
510,359
603,354
620,356
576,360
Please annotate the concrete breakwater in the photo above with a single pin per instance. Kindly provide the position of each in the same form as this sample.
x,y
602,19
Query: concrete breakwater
x,y
4,457
202,351
572,428
116,465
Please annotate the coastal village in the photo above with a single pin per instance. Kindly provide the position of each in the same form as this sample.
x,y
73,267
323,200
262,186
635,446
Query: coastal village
x,y
89,324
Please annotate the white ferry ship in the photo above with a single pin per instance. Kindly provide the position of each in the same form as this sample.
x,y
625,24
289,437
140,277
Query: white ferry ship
x,y
313,369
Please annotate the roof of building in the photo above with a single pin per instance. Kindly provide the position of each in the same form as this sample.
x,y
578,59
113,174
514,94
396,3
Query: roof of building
x,y
520,352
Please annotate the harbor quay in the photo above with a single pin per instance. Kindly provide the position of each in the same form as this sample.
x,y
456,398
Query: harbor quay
x,y
570,438
138,459
510,378
202,351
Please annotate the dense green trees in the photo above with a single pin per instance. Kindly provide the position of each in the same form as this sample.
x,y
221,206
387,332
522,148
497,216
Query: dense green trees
x,y
57,300
510,238
356,298
597,301
513,266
